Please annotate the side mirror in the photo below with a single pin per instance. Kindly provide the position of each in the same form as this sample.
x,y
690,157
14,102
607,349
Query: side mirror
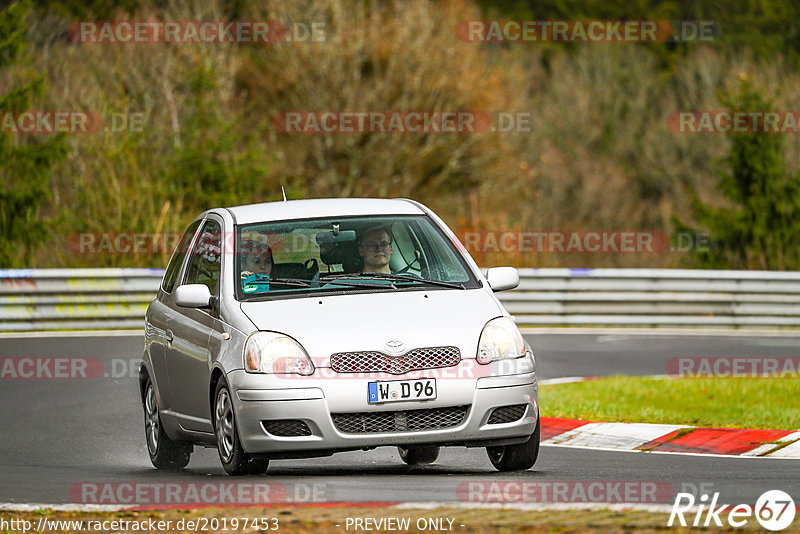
x,y
192,296
502,278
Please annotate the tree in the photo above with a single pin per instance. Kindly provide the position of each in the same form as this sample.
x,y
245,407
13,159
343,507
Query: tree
x,y
25,161
760,229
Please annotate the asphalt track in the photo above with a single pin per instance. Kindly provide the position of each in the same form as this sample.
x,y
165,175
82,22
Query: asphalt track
x,y
57,434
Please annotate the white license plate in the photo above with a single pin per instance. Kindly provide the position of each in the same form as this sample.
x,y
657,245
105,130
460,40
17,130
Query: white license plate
x,y
401,390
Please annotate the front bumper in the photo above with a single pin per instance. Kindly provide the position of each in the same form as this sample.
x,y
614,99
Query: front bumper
x,y
313,401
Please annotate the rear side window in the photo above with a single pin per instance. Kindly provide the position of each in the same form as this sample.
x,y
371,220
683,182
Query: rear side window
x,y
177,258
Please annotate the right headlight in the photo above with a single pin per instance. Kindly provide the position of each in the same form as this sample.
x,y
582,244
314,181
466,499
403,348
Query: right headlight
x,y
500,340
271,352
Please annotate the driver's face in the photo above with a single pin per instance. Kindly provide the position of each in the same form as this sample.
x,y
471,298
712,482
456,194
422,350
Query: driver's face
x,y
376,247
257,263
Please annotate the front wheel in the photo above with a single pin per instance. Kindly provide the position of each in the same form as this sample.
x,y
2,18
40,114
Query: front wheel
x,y
164,453
233,457
516,457
418,455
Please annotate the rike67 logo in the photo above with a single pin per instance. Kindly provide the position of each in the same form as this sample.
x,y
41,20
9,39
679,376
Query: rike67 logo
x,y
774,510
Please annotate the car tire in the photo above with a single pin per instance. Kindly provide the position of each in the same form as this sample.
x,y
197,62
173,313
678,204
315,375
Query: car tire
x,y
234,459
516,457
164,452
418,455
257,467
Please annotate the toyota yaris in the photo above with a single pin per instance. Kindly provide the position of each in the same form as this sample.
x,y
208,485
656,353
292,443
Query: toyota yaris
x,y
304,328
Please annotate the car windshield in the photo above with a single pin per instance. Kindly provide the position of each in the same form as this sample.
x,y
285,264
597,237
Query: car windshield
x,y
346,254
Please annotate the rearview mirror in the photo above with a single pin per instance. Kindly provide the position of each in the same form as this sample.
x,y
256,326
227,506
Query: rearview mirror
x,y
502,278
192,296
331,238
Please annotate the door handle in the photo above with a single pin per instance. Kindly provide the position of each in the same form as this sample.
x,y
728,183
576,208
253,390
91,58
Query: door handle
x,y
170,336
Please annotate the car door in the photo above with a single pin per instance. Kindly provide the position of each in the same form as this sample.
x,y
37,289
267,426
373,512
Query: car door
x,y
188,356
159,314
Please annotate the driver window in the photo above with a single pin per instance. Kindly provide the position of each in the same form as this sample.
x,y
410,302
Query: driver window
x,y
205,263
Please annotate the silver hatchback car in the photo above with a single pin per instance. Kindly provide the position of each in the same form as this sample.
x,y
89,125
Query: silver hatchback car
x,y
303,328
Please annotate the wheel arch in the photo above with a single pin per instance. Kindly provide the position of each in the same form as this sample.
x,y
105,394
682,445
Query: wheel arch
x,y
144,376
216,375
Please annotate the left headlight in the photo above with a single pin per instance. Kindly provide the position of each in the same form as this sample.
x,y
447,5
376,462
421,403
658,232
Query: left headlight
x,y
500,340
271,352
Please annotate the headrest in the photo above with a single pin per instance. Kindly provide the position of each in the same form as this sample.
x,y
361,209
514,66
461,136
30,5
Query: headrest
x,y
336,247
337,253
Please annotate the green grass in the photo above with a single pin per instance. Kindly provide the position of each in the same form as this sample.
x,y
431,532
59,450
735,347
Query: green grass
x,y
768,403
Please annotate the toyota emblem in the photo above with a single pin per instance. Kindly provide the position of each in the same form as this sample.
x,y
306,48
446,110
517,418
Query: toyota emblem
x,y
395,347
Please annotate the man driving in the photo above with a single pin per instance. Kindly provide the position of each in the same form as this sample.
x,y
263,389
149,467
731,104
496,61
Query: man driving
x,y
375,248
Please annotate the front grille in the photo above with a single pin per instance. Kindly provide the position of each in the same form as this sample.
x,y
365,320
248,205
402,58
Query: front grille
x,y
401,421
287,427
507,414
377,362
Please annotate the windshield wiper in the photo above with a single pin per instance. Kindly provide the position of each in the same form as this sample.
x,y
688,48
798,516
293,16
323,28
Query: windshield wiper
x,y
295,282
302,282
393,276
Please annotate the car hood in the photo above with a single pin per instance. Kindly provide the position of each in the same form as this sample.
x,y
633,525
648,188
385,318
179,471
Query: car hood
x,y
361,322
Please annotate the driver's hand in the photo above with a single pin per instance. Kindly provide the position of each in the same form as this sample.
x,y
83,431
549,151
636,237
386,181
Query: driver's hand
x,y
245,274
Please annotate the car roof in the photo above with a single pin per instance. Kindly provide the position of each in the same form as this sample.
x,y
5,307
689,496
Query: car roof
x,y
322,207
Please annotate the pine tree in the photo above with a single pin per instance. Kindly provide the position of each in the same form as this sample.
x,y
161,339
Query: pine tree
x,y
760,229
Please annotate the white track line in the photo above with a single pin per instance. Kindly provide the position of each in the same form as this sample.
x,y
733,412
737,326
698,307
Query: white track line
x,y
633,331
612,435
790,451
766,447
700,454
524,330
32,507
541,507
533,507
76,333
563,380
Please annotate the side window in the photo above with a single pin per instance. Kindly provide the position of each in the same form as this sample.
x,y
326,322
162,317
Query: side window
x,y
177,258
205,262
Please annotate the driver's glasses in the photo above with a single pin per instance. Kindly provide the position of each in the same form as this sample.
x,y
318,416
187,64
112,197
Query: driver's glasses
x,y
375,247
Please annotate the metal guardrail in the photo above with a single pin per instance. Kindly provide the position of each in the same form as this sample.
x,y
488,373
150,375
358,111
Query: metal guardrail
x,y
75,299
55,299
656,298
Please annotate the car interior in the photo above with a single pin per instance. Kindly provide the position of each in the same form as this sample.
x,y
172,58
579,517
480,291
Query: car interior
x,y
304,253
